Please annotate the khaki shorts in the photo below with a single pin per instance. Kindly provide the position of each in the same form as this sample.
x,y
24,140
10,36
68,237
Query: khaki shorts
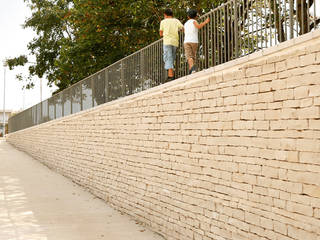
x,y
190,50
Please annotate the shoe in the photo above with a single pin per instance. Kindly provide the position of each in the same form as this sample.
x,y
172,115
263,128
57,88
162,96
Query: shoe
x,y
170,79
193,69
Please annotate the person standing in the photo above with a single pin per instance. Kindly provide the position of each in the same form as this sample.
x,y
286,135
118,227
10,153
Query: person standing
x,y
169,30
191,40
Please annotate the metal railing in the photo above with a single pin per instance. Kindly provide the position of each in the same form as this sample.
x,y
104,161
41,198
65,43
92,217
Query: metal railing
x,y
236,28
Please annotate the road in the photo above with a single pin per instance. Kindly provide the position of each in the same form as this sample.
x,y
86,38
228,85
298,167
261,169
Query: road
x,y
39,204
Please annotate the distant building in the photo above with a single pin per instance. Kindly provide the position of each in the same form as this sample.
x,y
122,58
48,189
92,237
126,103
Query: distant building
x,y
7,115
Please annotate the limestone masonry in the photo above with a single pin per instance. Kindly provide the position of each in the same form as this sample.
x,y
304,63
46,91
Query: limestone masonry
x,y
232,152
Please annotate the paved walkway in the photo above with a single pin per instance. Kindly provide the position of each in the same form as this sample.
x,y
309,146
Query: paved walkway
x,y
38,204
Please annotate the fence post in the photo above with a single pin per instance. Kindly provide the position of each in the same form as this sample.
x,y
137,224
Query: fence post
x,y
122,79
142,68
106,85
236,28
81,97
93,91
291,18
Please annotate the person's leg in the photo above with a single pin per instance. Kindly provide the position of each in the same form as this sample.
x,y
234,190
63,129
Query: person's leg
x,y
173,59
194,48
187,52
168,57
190,63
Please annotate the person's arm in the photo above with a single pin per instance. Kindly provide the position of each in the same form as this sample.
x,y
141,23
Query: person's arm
x,y
201,25
161,29
181,27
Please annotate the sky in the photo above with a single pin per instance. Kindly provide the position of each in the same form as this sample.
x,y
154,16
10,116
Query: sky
x,y
13,42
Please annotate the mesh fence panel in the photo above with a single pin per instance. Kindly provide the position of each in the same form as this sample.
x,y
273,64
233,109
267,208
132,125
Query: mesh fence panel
x,y
87,93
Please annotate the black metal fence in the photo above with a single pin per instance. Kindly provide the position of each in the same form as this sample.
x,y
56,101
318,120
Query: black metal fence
x,y
236,28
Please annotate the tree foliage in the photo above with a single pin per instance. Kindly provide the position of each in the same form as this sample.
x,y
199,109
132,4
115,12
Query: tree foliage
x,y
75,38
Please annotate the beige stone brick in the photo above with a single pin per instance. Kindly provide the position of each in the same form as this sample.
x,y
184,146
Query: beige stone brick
x,y
299,208
252,218
252,88
268,68
317,213
272,114
297,124
270,172
304,177
314,124
300,234
314,91
279,203
243,124
308,145
308,113
230,100
291,103
280,227
307,102
293,156
278,125
238,214
261,125
308,59
285,94
247,115
253,71
289,113
260,190
283,174
265,87
233,116
293,62
228,91
266,223
311,190
309,157
316,101
318,57
309,69
301,92
281,66
265,97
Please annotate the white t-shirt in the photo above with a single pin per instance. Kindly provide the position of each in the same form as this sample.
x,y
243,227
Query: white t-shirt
x,y
190,32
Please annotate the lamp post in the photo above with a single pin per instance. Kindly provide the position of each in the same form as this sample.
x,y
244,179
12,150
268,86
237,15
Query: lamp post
x,y
4,100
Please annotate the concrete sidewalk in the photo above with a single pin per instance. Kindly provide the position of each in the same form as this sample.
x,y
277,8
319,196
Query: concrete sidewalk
x,y
39,204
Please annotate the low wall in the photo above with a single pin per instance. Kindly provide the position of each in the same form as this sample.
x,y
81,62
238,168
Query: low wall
x,y
232,152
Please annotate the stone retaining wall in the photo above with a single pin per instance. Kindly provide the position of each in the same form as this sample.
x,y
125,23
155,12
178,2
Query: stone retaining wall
x,y
232,152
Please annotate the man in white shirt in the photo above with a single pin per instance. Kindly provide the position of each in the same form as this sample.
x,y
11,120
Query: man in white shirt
x,y
191,40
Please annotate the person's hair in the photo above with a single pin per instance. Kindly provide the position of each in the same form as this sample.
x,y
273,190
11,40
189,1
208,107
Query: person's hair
x,y
168,12
192,13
